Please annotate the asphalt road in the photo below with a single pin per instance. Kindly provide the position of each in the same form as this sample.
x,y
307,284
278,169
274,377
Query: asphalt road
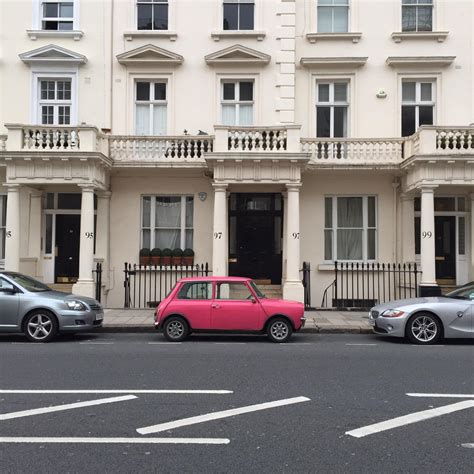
x,y
351,381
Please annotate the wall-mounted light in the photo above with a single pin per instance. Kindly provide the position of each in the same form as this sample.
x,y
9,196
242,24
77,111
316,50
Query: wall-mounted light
x,y
381,94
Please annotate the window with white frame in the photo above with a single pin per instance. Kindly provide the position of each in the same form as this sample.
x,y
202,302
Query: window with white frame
x,y
167,222
151,107
418,104
332,105
237,102
57,16
239,14
333,16
55,101
3,223
417,15
152,14
350,228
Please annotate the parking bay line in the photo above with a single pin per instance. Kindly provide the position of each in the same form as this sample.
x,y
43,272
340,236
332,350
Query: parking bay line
x,y
442,395
219,415
361,344
69,406
408,419
174,392
468,445
116,440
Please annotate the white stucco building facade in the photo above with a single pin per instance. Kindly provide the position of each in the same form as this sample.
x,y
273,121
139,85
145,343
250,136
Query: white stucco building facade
x,y
260,134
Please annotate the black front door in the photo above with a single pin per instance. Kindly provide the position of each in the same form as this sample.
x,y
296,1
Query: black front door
x,y
255,236
445,247
66,264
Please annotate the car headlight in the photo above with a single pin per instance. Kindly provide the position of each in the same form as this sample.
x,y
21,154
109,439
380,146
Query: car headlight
x,y
392,313
75,305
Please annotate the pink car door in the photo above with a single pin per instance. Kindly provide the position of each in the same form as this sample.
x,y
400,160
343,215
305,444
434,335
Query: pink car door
x,y
235,307
193,301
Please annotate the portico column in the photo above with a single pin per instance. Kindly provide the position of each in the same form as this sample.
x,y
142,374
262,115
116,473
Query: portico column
x,y
428,284
12,241
85,284
220,235
285,239
103,232
407,231
34,234
293,286
472,236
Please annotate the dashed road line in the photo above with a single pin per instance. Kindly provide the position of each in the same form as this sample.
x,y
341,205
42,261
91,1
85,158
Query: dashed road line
x,y
115,440
468,445
165,343
141,391
96,343
442,395
361,344
69,406
219,415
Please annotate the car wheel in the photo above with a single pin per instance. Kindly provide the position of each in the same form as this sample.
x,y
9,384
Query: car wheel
x,y
423,328
279,330
41,326
175,329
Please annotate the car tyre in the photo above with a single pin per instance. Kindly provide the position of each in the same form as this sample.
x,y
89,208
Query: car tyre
x,y
279,330
424,328
175,329
41,326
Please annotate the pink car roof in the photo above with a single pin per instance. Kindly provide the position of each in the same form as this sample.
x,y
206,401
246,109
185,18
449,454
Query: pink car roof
x,y
214,278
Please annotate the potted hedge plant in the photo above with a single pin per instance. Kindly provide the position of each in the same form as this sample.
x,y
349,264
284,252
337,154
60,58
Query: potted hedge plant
x,y
188,257
155,256
177,257
166,256
145,256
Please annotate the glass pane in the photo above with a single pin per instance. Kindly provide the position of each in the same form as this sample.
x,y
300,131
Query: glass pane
x,y
50,10
189,239
340,121
426,91
408,120
69,200
408,18
159,119
246,115
323,117
246,16
328,244
341,24
146,239
144,17
257,203
231,16
277,235
48,245
426,115
233,291
246,91
417,235
160,91
349,244
371,220
160,17
461,204
146,211
189,211
50,25
462,236
328,212
443,204
425,18
233,235
228,91
47,115
142,120
349,212
49,201
371,236
278,202
168,211
323,92
409,91
66,10
3,211
340,92
228,115
417,204
324,19
64,115
65,25
195,291
167,238
143,91
47,90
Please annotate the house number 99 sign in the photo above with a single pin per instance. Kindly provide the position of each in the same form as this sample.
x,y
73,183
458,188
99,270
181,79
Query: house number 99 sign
x,y
427,235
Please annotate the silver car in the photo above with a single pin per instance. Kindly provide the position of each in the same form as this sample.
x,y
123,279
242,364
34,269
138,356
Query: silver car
x,y
427,320
31,307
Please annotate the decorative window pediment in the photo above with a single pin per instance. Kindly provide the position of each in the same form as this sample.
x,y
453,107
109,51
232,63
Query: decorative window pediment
x,y
149,54
237,54
52,54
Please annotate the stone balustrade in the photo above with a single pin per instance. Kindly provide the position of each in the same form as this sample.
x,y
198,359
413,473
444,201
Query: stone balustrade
x,y
160,148
354,151
3,142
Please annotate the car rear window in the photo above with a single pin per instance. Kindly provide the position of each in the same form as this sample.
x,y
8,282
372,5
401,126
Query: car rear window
x,y
201,290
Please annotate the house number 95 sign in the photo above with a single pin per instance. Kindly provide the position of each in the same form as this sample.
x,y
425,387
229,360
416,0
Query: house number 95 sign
x,y
89,235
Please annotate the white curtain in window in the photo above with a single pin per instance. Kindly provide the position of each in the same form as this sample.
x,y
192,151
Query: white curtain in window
x,y
246,115
159,119
228,115
142,120
168,222
349,231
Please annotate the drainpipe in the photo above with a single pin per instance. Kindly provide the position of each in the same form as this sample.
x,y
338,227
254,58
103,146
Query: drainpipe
x,y
396,220
111,63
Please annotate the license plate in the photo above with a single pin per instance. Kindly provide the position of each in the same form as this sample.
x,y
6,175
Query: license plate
x,y
372,322
99,316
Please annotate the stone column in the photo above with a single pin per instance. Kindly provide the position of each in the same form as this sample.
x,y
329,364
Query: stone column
x,y
34,234
407,228
220,234
12,241
293,287
472,236
103,233
428,284
85,284
285,235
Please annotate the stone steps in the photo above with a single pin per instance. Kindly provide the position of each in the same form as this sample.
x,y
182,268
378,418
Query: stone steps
x,y
63,287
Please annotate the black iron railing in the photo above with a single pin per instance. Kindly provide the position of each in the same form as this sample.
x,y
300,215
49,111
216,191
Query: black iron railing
x,y
98,281
307,285
362,285
146,285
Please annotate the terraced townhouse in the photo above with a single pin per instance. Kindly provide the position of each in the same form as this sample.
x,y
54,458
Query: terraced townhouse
x,y
261,134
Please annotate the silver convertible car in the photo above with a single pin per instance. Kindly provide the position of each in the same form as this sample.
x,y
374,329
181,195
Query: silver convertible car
x,y
427,320
31,307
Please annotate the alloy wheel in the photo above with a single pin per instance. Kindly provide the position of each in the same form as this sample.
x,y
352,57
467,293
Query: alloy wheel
x,y
40,326
175,329
424,329
279,330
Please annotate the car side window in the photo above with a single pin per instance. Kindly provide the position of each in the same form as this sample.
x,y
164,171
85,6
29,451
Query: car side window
x,y
233,291
5,285
195,291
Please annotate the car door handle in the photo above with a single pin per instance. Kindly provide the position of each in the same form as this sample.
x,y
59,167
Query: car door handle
x,y
216,306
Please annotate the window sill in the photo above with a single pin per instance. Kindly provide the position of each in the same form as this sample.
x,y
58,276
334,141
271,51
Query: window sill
x,y
251,34
313,37
399,36
130,35
76,35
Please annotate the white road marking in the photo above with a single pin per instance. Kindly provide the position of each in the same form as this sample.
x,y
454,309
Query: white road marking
x,y
361,344
467,445
96,343
218,415
192,392
165,343
230,343
408,419
427,345
69,406
117,440
442,395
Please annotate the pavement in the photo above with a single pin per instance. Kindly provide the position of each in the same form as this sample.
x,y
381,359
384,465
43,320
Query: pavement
x,y
336,322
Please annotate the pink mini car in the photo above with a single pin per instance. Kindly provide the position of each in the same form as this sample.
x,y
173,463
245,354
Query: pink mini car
x,y
219,304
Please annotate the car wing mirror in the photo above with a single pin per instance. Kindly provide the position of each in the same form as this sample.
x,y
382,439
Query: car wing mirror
x,y
8,291
253,300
